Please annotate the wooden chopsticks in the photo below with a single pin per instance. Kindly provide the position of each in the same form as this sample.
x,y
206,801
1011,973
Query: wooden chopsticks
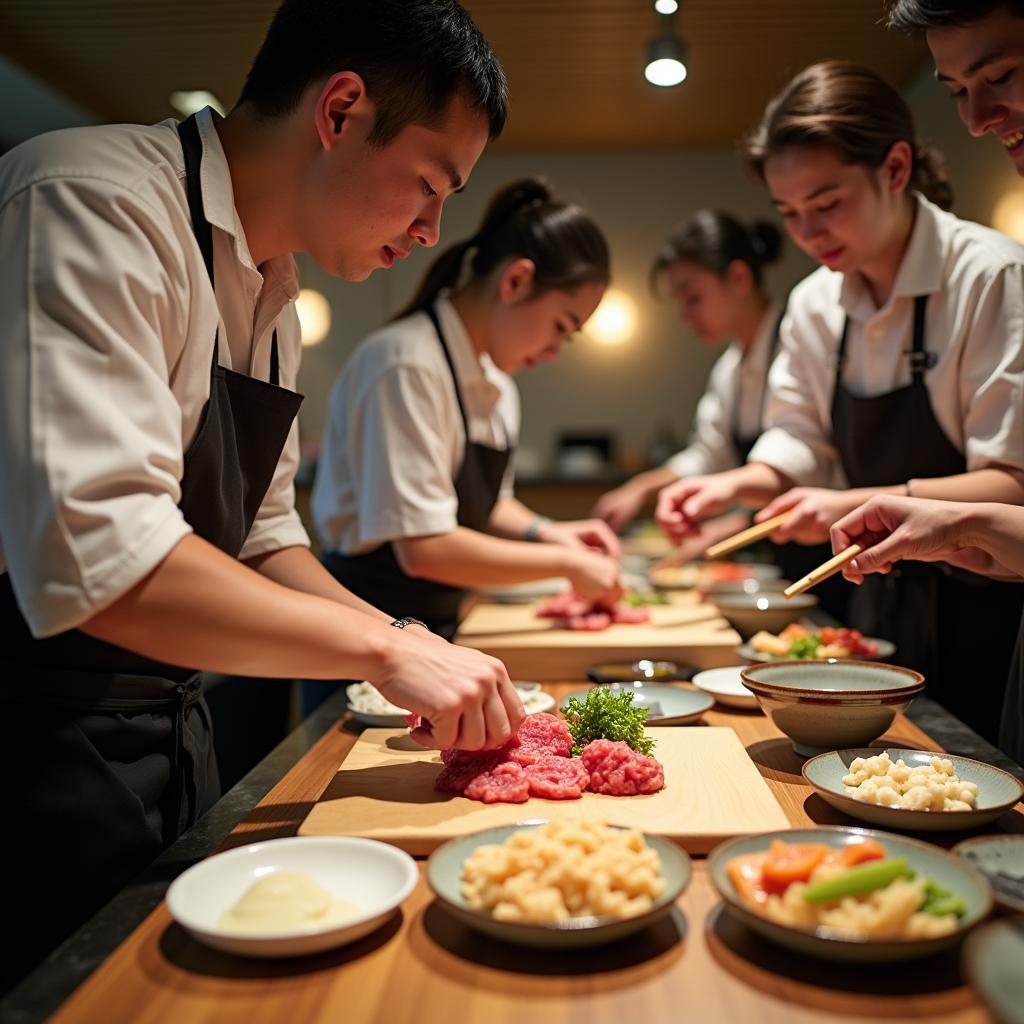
x,y
745,537
826,569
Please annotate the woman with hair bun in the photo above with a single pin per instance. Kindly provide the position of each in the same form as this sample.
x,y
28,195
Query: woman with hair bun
x,y
713,268
900,371
413,499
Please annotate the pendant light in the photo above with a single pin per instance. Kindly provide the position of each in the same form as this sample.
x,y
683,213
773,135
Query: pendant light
x,y
666,53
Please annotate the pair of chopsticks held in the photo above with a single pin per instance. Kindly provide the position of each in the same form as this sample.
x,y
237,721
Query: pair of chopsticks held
x,y
761,530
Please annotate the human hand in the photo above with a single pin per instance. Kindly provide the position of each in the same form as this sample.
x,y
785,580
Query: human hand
x,y
464,697
595,576
620,506
682,505
584,534
812,511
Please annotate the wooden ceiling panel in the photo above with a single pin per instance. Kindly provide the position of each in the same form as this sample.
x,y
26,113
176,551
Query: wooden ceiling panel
x,y
575,67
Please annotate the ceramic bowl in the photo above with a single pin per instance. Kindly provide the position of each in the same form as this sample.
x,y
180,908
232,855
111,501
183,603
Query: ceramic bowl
x,y
1000,859
998,791
832,704
444,874
644,670
751,586
726,686
524,593
829,944
374,876
750,613
992,959
670,705
886,649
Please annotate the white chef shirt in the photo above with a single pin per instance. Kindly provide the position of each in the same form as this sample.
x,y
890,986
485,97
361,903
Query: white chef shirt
x,y
974,325
394,439
107,323
735,380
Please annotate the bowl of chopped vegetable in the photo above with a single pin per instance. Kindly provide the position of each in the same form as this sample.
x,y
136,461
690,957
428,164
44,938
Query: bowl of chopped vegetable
x,y
749,613
798,642
850,894
832,704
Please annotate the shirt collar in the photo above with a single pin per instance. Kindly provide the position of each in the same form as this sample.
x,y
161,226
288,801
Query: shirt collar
x,y
920,273
219,208
477,375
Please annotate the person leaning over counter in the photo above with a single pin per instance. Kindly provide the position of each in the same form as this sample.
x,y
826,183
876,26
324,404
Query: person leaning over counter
x,y
979,54
148,440
901,362
413,498
714,269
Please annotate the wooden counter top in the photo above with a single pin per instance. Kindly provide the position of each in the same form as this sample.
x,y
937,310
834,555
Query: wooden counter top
x,y
698,965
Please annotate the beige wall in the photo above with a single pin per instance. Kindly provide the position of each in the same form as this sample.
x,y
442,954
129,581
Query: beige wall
x,y
636,197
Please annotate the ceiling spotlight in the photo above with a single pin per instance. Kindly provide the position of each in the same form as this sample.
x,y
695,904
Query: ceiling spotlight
x,y
666,6
666,61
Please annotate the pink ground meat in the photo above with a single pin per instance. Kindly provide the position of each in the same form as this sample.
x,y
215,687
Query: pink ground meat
x,y
618,770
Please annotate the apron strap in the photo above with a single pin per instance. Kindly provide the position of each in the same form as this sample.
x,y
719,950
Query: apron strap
x,y
192,147
432,313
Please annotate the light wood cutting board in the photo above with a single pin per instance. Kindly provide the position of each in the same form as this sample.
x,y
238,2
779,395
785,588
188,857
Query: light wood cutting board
x,y
533,648
385,790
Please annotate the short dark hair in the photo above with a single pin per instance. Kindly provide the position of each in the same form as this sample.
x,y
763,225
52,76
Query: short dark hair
x,y
714,240
413,55
915,16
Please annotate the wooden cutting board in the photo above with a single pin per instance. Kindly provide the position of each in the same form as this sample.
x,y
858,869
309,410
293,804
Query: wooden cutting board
x,y
533,648
385,790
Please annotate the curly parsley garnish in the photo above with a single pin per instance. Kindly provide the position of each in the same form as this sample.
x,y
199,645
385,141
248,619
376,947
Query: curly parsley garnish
x,y
607,714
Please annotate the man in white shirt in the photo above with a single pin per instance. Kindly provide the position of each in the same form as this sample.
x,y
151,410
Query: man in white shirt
x,y
148,443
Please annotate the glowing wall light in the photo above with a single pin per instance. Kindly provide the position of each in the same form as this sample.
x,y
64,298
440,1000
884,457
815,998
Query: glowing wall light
x,y
314,316
1008,215
614,320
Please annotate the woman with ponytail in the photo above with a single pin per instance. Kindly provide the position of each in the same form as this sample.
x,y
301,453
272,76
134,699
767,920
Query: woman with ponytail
x,y
900,371
413,499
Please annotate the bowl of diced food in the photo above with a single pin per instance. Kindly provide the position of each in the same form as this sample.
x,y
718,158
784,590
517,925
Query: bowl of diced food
x,y
832,704
800,642
749,614
294,896
368,705
850,894
565,884
918,790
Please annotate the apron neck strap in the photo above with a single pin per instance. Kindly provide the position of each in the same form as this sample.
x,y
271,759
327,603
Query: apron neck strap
x,y
920,359
192,147
432,313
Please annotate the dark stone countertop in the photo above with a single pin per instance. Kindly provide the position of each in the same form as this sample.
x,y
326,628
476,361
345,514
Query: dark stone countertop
x,y
39,994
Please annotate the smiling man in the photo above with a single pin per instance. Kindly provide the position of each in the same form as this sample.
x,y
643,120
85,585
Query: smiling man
x,y
148,438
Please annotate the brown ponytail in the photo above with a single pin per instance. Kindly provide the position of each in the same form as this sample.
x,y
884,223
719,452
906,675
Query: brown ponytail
x,y
854,111
523,220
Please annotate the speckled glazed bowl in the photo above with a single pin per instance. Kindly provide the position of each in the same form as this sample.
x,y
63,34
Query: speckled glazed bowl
x,y
831,705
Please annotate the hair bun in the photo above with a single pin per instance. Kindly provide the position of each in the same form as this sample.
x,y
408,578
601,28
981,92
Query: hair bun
x,y
766,239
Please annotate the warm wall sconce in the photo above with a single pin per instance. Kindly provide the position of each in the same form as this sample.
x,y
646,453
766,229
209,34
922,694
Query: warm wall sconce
x,y
314,316
1008,215
188,101
614,320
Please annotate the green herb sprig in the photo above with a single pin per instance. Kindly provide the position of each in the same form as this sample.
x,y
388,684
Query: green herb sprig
x,y
609,715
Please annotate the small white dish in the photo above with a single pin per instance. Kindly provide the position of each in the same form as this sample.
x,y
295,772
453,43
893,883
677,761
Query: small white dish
x,y
726,686
372,875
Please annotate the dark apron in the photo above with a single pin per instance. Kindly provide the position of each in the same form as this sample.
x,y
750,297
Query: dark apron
x,y
955,627
795,560
1011,728
108,753
377,577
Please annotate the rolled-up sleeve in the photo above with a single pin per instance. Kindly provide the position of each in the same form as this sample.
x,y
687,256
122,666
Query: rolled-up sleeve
x,y
797,440
399,442
90,434
992,375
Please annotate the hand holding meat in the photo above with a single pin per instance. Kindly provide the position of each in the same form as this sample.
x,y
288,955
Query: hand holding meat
x,y
595,576
464,698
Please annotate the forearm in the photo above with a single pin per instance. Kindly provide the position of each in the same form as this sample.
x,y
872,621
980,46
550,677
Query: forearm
x,y
467,558
297,569
757,483
510,518
999,531
651,481
980,485
202,609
